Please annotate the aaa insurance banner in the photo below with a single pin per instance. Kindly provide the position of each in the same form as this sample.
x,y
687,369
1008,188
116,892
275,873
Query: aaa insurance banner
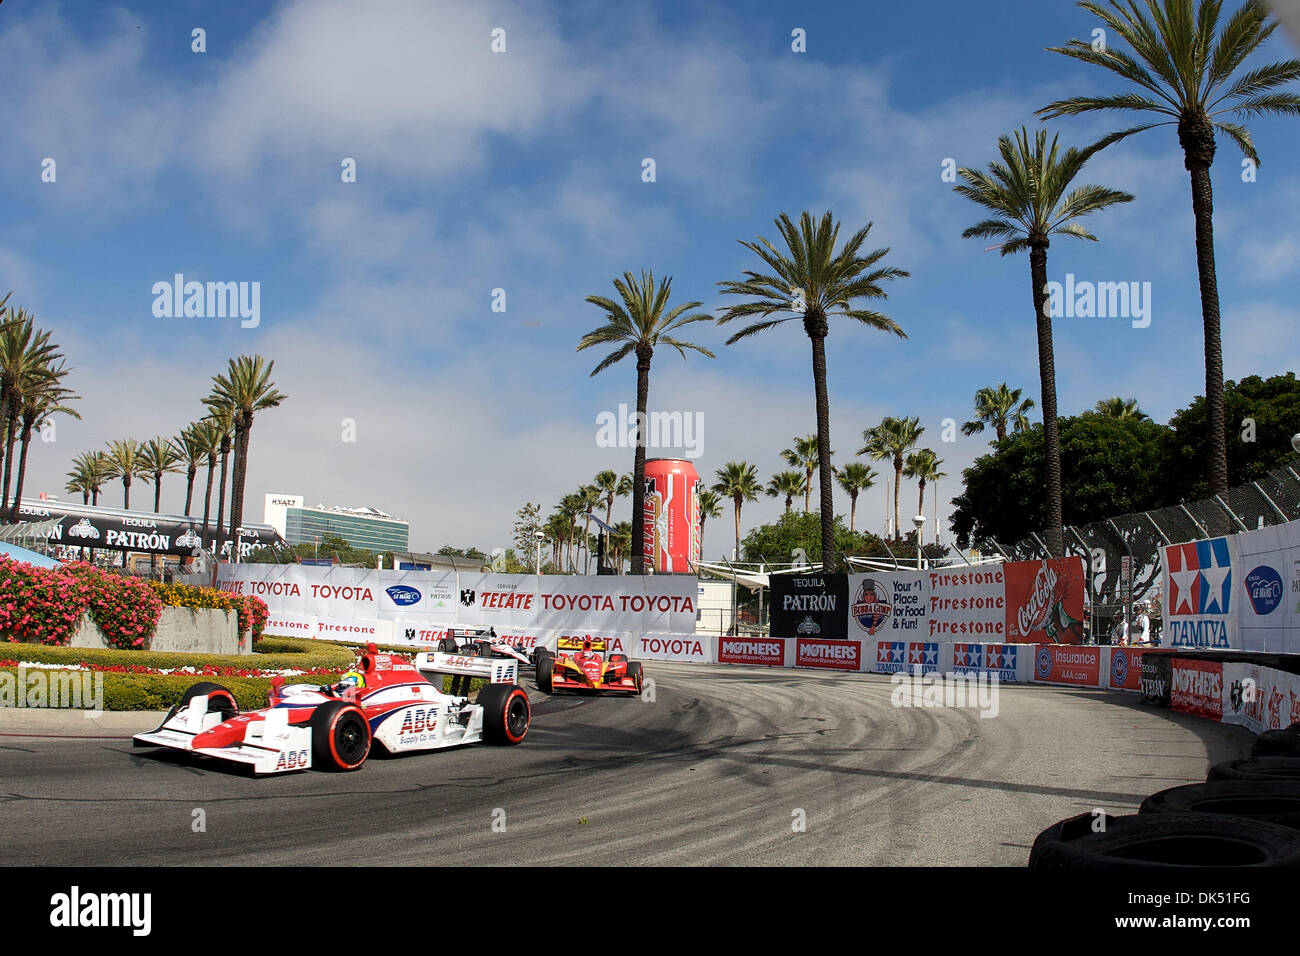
x,y
1239,591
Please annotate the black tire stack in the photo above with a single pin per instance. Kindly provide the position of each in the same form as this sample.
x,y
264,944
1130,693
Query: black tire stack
x,y
1246,814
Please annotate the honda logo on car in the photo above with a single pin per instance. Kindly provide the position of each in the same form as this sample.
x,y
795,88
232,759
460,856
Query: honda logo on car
x,y
732,650
839,655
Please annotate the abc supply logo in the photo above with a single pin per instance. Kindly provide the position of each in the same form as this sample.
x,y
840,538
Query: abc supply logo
x,y
871,606
403,596
1264,589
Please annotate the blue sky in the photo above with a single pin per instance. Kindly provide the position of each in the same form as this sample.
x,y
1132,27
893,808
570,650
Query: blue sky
x,y
522,171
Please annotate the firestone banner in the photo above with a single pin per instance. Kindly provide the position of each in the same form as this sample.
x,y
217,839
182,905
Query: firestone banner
x,y
940,605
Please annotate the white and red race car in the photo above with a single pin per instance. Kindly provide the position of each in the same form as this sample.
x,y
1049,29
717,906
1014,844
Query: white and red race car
x,y
481,642
386,700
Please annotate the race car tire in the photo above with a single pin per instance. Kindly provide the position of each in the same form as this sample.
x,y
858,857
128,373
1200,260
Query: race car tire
x,y
506,713
1256,768
1278,743
545,671
618,658
540,654
220,700
340,736
447,645
637,673
1273,801
1165,840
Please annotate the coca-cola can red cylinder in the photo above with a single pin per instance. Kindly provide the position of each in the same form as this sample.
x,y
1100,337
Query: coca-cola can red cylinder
x,y
671,534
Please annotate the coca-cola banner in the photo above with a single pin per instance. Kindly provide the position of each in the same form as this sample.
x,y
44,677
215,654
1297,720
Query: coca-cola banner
x,y
417,606
810,605
1045,601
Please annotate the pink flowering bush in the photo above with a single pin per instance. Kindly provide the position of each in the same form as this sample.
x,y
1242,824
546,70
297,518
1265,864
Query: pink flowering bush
x,y
45,605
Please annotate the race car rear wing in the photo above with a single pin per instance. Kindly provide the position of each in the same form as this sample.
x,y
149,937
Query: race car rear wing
x,y
496,670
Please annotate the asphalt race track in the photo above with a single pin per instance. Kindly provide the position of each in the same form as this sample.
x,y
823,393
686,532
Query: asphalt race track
x,y
715,771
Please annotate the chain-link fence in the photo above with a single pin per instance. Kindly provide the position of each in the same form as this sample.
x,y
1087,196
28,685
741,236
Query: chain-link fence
x,y
1103,545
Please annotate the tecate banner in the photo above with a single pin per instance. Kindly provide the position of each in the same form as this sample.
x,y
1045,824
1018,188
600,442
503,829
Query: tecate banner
x,y
1260,698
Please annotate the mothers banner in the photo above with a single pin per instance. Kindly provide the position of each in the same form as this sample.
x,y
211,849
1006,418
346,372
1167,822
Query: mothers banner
x,y
1239,591
419,606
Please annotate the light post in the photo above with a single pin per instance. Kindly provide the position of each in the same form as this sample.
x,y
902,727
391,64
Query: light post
x,y
540,537
919,522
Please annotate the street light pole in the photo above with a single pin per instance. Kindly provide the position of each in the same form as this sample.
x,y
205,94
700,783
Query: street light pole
x,y
539,536
919,522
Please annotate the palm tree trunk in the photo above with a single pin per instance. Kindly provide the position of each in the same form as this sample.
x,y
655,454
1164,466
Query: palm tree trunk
x,y
702,520
898,483
643,354
221,499
920,509
1197,139
737,502
190,475
126,492
241,475
853,512
817,332
807,490
22,467
207,499
157,506
1047,376
10,438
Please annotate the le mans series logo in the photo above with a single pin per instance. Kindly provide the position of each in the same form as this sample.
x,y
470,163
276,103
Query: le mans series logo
x,y
403,596
1264,590
1200,586
871,606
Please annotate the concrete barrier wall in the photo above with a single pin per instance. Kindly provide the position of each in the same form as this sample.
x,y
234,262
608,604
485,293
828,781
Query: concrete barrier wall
x,y
181,630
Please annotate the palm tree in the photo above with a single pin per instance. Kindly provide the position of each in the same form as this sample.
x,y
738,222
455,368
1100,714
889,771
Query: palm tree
x,y
26,357
738,480
125,461
206,434
999,406
158,457
96,469
589,497
787,485
556,529
638,325
247,389
193,447
608,483
804,455
890,441
814,283
78,484
1027,194
222,420
620,540
570,507
855,478
1116,407
40,401
1194,62
923,466
710,507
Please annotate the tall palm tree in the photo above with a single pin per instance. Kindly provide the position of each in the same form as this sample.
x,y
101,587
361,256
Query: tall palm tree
x,y
193,448
607,482
855,477
26,357
638,324
922,465
158,457
125,461
570,507
1026,193
804,454
890,441
788,485
738,480
710,507
40,401
1001,407
1184,70
78,484
620,541
814,283
1116,407
206,434
589,497
247,389
98,470
222,420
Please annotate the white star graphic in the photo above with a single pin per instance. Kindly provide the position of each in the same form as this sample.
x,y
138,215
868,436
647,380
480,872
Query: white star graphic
x,y
1184,581
1215,600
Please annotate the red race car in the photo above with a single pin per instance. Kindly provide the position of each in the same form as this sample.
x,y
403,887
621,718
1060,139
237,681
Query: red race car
x,y
584,664
386,700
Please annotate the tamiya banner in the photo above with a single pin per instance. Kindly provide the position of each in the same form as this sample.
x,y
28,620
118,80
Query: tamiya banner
x,y
1045,601
810,605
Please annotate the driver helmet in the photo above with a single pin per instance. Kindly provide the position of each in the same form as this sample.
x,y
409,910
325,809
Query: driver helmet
x,y
351,680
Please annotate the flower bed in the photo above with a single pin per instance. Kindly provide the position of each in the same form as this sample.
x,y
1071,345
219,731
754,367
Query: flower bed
x,y
252,611
46,605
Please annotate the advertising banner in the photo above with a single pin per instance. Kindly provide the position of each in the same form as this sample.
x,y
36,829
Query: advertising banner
x,y
768,652
667,647
889,605
1197,687
1245,688
909,657
966,603
832,655
1045,601
1198,593
1057,664
1157,675
1125,670
810,605
1005,660
1268,609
